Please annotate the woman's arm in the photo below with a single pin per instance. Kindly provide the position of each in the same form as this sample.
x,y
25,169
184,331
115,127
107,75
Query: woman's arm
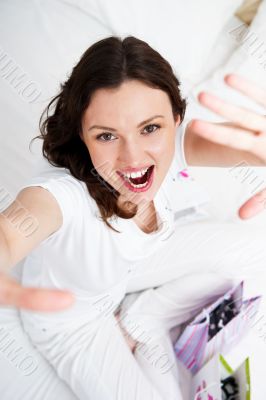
x,y
18,238
226,144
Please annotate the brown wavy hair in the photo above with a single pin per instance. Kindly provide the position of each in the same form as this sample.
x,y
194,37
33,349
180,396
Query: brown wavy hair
x,y
105,64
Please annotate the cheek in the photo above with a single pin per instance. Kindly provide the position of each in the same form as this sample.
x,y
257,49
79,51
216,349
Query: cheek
x,y
96,155
162,144
100,158
166,156
164,150
102,161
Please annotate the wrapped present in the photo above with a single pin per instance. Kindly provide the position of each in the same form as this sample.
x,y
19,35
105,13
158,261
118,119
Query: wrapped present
x,y
217,329
217,381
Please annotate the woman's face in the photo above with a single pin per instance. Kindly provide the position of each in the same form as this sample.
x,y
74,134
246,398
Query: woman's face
x,y
128,130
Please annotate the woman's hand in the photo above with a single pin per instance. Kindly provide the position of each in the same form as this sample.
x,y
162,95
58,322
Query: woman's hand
x,y
130,341
12,293
246,130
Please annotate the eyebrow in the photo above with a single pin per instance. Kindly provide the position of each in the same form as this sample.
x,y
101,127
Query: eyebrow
x,y
114,130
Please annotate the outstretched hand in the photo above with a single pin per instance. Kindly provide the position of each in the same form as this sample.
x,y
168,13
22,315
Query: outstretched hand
x,y
13,294
246,130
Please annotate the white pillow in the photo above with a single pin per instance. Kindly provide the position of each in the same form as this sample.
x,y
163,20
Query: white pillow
x,y
248,60
43,40
184,32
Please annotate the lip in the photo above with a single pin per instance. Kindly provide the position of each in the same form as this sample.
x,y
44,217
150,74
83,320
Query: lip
x,y
143,189
124,171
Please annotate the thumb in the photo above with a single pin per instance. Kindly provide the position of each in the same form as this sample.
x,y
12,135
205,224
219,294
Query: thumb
x,y
253,206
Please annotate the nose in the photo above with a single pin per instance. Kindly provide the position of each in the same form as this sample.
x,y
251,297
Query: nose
x,y
131,153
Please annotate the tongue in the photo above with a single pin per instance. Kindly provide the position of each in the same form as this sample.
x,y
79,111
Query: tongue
x,y
141,180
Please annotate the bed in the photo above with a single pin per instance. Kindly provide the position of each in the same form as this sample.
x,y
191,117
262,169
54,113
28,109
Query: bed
x,y
40,42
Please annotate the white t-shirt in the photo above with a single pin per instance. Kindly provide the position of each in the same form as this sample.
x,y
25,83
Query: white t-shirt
x,y
93,261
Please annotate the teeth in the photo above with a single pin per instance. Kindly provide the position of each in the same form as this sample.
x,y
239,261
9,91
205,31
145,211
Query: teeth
x,y
134,185
138,186
136,174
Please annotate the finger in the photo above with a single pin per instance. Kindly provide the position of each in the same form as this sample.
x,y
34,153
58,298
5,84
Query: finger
x,y
247,87
253,206
225,135
12,293
239,115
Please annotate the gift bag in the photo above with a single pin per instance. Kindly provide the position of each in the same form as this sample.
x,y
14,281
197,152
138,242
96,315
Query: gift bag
x,y
217,381
216,329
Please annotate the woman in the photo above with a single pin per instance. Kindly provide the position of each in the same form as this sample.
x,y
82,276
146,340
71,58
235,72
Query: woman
x,y
112,226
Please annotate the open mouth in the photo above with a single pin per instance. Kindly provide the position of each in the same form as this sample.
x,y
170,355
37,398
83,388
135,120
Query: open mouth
x,y
142,182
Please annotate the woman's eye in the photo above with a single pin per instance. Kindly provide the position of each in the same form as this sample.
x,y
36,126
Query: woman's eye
x,y
99,137
105,137
151,126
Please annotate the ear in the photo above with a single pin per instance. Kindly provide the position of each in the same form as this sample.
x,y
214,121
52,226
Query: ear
x,y
177,121
81,136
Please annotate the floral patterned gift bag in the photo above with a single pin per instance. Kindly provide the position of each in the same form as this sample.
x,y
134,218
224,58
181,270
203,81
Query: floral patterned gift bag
x,y
217,381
